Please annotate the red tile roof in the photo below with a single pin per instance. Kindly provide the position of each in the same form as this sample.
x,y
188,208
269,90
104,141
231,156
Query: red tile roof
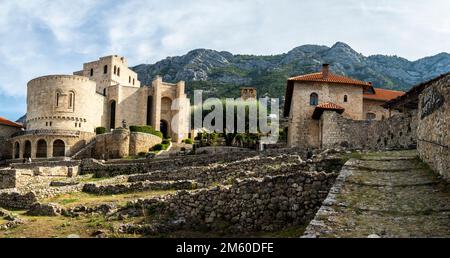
x,y
383,94
333,78
4,121
329,106
318,111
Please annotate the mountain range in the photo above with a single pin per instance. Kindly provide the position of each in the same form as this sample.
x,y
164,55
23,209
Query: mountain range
x,y
220,73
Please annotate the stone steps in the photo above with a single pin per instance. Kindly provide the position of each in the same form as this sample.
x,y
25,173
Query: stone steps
x,y
388,197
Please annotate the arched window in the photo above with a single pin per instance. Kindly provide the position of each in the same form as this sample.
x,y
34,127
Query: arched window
x,y
58,95
27,152
41,151
129,79
115,69
59,148
112,115
92,72
104,92
345,98
314,99
71,99
371,116
118,71
105,69
133,81
149,109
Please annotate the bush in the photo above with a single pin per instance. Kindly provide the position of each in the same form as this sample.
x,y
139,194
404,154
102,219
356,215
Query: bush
x,y
142,154
188,141
100,130
146,129
158,147
166,142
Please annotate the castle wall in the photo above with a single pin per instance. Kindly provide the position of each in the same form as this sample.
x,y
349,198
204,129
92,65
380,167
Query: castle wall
x,y
433,129
63,102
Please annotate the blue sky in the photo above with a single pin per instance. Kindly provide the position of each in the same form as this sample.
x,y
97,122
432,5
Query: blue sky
x,y
40,37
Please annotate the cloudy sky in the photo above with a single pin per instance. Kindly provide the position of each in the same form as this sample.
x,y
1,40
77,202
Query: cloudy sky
x,y
40,37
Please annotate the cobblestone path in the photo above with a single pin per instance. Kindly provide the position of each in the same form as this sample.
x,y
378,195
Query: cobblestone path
x,y
389,194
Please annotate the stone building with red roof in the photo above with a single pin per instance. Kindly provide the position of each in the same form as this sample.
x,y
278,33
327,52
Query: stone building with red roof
x,y
309,95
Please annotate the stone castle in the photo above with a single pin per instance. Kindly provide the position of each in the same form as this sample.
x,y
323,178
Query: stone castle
x,y
63,111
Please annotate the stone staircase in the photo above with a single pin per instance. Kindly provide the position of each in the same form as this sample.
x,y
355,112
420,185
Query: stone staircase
x,y
85,152
390,194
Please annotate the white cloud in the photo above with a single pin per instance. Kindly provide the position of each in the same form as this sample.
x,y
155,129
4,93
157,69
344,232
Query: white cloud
x,y
57,36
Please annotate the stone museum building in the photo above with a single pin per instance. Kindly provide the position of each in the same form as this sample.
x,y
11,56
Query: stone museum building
x,y
63,111
309,95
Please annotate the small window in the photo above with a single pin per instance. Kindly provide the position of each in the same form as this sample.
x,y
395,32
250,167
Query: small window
x,y
71,99
57,99
345,98
133,81
115,69
76,124
46,123
104,92
79,125
92,72
51,123
129,79
118,71
314,99
105,69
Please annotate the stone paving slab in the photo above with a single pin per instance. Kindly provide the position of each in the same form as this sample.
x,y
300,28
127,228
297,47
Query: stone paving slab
x,y
384,200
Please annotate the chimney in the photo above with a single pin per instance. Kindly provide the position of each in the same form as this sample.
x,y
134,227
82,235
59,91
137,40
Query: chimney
x,y
325,70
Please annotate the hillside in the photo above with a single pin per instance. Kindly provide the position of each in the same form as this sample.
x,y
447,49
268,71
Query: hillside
x,y
221,73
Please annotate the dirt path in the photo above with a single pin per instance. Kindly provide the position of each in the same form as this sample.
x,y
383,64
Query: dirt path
x,y
390,194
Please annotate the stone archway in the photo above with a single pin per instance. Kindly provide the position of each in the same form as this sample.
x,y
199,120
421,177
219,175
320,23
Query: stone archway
x,y
41,149
27,149
112,115
59,148
164,128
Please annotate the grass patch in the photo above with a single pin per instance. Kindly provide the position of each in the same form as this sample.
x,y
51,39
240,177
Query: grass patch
x,y
79,198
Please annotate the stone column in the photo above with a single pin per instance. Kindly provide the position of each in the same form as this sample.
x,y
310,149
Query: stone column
x,y
21,149
156,84
49,149
33,149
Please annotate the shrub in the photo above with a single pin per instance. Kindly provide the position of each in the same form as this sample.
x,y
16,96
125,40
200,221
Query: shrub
x,y
100,130
142,154
146,129
157,147
187,141
166,142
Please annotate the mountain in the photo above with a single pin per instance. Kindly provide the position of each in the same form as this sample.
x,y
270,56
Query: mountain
x,y
220,74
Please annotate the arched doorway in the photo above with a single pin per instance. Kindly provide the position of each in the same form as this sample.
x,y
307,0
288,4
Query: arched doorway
x,y
41,151
17,150
164,128
59,148
27,151
112,116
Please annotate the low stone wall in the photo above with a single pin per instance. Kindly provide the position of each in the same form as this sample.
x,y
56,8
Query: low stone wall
x,y
139,187
142,142
433,130
249,205
122,143
396,132
17,201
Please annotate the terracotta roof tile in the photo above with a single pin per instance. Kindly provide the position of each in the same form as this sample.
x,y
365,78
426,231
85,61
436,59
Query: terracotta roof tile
x,y
329,106
333,78
4,121
383,94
